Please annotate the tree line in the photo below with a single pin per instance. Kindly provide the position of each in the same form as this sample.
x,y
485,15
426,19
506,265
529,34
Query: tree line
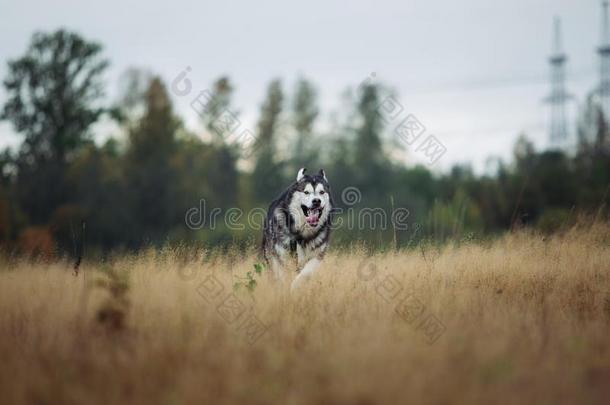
x,y
135,188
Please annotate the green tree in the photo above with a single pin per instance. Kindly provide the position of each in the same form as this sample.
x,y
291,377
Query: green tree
x,y
97,180
53,92
218,114
267,176
131,104
371,166
592,128
151,177
220,120
305,111
369,152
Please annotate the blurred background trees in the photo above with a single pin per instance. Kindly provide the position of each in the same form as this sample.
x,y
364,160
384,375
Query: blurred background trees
x,y
269,175
54,92
305,148
135,188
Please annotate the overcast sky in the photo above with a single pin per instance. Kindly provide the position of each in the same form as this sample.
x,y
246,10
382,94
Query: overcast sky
x,y
474,72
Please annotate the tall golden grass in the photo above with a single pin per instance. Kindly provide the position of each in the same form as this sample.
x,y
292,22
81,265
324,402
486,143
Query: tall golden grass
x,y
525,318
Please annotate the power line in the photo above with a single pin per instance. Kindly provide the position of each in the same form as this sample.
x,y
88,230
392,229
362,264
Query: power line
x,y
492,83
495,130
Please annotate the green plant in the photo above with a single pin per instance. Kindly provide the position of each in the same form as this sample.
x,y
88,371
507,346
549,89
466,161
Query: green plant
x,y
249,281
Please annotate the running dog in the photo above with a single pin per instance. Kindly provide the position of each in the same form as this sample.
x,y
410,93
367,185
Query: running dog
x,y
298,223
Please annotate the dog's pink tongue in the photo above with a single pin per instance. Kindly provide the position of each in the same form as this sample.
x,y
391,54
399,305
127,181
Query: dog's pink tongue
x,y
312,219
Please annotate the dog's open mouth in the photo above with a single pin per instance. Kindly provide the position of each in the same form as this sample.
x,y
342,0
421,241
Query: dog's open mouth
x,y
312,215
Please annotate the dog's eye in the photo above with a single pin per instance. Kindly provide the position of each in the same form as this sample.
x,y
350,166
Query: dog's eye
x,y
322,192
306,192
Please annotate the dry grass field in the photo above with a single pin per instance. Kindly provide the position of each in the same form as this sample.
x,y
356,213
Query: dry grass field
x,y
523,319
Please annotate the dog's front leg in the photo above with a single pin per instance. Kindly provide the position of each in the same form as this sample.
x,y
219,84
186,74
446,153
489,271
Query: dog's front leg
x,y
308,270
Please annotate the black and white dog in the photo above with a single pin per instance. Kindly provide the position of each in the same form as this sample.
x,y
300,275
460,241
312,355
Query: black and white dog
x,y
298,222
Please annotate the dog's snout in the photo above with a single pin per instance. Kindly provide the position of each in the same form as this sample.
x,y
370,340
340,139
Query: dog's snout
x,y
316,202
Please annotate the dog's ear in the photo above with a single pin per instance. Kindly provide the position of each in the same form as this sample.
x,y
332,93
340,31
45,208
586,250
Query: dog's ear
x,y
301,173
323,174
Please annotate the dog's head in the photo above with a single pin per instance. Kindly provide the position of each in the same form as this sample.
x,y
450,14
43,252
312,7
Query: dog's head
x,y
311,201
